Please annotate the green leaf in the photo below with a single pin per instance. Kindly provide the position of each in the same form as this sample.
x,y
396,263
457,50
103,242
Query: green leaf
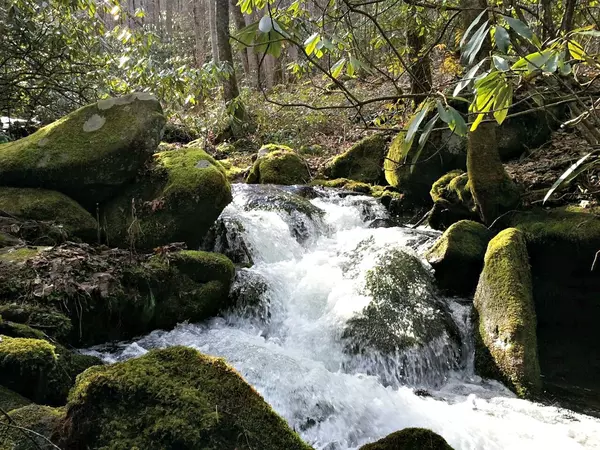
x,y
471,50
471,27
337,68
520,28
576,50
423,140
415,122
501,38
502,102
458,124
311,43
501,63
444,114
558,183
467,79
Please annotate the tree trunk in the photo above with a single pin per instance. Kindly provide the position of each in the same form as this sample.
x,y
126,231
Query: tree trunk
x,y
198,11
230,87
169,19
420,67
252,57
548,28
238,19
211,5
569,16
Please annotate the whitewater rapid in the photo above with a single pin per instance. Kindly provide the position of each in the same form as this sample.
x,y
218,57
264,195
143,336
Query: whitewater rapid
x,y
290,348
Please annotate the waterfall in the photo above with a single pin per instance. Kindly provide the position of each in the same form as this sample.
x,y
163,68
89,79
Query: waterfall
x,y
339,327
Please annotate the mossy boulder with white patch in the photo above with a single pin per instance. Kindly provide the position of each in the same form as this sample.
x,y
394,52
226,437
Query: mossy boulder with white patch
x,y
49,206
506,341
89,154
410,439
457,256
177,199
172,398
362,162
278,164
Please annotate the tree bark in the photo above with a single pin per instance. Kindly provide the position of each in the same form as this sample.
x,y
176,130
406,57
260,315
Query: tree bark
x,y
238,19
420,66
169,19
549,31
198,11
230,87
569,16
212,20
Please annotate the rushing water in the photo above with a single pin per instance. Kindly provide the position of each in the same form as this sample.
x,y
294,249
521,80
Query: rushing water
x,y
310,274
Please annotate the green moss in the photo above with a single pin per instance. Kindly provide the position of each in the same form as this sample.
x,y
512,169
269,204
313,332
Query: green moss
x,y
88,154
8,240
440,188
51,206
24,364
177,200
45,320
362,162
278,164
19,255
19,330
43,421
506,315
10,400
172,398
410,439
457,256
344,183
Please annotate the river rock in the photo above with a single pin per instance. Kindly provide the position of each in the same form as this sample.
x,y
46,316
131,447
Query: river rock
x,y
362,162
177,199
457,256
40,427
112,294
278,164
506,343
89,154
173,398
410,439
452,200
42,205
404,314
10,400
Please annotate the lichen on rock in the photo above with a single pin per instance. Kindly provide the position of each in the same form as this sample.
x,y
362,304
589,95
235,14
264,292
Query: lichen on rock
x,y
89,154
506,342
278,164
172,398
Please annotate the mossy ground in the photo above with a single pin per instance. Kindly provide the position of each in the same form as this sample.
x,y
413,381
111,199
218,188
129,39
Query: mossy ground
x,y
410,439
172,398
86,165
506,337
177,200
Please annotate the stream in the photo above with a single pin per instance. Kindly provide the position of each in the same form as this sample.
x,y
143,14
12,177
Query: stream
x,y
287,334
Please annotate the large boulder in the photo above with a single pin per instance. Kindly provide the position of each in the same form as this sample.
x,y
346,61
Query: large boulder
x,y
176,200
173,398
112,294
49,206
362,162
410,439
563,246
457,256
405,314
278,164
40,370
10,400
89,154
506,343
38,428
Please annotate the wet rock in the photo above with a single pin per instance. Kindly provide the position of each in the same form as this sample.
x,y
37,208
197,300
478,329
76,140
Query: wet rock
x,y
172,398
10,400
43,421
177,199
457,256
410,439
226,237
506,343
250,295
90,154
278,164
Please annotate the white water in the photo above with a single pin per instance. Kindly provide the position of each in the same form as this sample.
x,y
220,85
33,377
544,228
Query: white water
x,y
296,361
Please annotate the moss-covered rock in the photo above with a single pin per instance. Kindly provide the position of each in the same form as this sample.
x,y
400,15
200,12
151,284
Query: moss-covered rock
x,y
457,256
19,254
506,343
442,153
42,321
452,200
410,439
362,162
10,400
404,313
345,184
49,206
39,428
40,370
89,154
173,398
278,164
176,200
562,244
112,294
